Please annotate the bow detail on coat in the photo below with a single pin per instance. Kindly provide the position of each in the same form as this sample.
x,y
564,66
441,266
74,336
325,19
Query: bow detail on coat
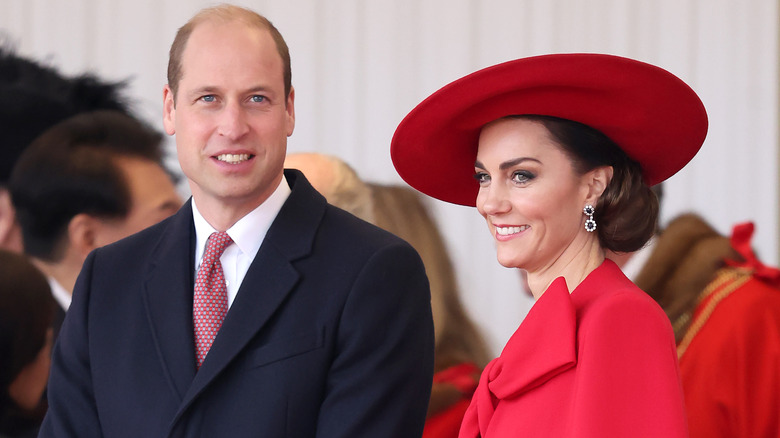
x,y
542,347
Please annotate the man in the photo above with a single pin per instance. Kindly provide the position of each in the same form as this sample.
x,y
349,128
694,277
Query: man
x,y
87,182
312,323
41,97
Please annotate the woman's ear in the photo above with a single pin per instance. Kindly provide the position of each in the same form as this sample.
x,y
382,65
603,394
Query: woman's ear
x,y
597,181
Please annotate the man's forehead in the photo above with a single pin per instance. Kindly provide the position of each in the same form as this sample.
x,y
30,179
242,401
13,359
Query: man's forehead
x,y
216,32
211,44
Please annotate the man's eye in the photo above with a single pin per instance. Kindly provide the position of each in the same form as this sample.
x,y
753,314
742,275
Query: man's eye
x,y
208,98
258,99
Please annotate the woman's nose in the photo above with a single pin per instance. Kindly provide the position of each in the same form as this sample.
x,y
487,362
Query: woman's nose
x,y
493,200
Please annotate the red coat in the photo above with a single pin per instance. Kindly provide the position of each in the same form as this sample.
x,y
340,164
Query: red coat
x,y
730,356
599,362
446,424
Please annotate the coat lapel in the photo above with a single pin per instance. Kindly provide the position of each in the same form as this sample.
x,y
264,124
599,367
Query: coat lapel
x,y
270,279
168,300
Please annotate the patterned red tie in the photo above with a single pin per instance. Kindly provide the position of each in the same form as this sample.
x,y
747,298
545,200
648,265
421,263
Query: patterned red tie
x,y
210,303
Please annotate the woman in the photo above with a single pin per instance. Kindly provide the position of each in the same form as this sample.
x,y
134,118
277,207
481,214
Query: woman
x,y
564,149
26,315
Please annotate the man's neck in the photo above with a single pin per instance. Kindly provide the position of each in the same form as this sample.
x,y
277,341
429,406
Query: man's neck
x,y
64,273
224,213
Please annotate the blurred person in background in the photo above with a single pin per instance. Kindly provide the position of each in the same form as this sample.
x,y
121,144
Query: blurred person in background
x,y
88,181
42,97
26,314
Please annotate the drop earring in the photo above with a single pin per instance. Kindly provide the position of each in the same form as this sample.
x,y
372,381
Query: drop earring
x,y
590,223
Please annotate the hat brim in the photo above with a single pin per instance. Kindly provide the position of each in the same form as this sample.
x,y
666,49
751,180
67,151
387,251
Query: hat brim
x,y
652,115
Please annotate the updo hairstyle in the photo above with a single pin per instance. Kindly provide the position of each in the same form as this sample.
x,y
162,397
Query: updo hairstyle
x,y
627,212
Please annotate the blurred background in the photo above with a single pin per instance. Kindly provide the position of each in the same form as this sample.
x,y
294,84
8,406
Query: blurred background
x,y
359,66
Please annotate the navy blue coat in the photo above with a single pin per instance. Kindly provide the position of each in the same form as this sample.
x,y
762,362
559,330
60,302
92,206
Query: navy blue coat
x,y
330,335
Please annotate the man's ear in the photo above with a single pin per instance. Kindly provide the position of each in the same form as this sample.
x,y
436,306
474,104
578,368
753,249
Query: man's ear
x,y
290,108
10,234
82,234
169,110
597,181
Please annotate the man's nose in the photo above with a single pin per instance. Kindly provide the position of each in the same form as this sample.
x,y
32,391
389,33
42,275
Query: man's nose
x,y
233,123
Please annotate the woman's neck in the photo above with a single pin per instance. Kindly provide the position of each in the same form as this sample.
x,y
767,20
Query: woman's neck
x,y
574,264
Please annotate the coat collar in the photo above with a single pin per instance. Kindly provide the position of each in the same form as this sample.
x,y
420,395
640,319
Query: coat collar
x,y
290,237
542,347
169,299
545,344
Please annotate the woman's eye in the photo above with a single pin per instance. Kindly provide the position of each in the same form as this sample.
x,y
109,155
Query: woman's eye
x,y
522,176
482,177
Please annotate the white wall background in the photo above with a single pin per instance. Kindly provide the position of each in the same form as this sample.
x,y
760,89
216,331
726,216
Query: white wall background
x,y
359,66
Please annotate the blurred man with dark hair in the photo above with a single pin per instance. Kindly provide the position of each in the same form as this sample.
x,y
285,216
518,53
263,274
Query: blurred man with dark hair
x,y
86,182
41,97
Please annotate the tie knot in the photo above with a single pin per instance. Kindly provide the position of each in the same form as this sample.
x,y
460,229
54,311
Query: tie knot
x,y
216,245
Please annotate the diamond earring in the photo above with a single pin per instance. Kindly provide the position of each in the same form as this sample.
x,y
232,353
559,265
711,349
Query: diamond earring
x,y
590,224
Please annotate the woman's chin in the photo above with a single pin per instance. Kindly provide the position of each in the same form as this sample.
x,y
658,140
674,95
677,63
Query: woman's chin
x,y
509,262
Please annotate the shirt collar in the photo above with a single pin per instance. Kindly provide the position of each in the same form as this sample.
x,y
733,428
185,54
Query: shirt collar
x,y
59,293
249,232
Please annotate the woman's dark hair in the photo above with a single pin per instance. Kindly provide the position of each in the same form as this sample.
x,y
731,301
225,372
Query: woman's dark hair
x,y
26,313
627,212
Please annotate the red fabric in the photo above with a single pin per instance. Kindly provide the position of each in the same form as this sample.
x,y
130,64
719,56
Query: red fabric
x,y
210,302
731,369
740,241
446,424
652,115
599,362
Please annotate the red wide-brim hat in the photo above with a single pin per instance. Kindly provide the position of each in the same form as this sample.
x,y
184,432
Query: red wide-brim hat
x,y
652,115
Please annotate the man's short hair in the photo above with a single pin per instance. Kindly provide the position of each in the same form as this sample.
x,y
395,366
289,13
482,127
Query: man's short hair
x,y
225,13
71,169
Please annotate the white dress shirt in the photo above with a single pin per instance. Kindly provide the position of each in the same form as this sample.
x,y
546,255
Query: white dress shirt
x,y
247,234
62,296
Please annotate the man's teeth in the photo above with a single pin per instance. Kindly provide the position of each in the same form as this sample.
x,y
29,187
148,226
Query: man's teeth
x,y
505,231
233,158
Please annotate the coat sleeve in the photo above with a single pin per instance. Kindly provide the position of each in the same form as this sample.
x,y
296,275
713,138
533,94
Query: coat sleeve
x,y
628,381
380,380
72,409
